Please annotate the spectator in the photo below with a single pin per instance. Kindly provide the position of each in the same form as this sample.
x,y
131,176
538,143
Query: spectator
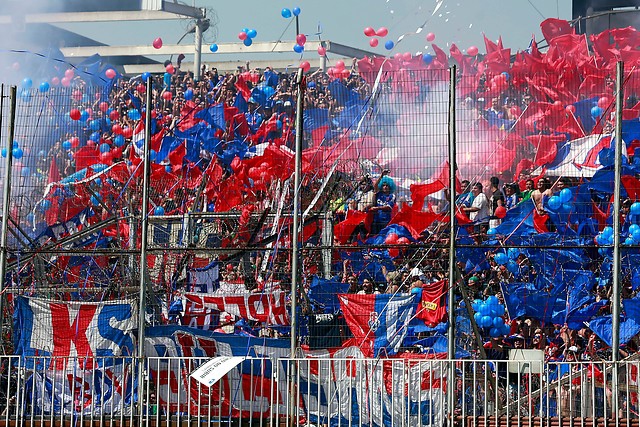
x,y
479,209
385,202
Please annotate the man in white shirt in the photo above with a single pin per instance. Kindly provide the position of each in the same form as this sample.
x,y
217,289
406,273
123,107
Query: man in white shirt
x,y
479,209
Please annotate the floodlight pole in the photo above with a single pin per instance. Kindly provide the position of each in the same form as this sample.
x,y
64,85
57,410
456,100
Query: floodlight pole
x,y
197,59
6,198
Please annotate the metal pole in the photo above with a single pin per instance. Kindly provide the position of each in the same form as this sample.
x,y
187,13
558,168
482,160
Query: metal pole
x,y
197,57
615,338
295,249
451,347
145,221
615,341
6,197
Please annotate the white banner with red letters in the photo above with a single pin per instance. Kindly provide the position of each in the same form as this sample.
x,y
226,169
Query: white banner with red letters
x,y
263,307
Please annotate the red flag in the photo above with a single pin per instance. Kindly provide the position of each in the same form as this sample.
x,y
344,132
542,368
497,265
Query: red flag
x,y
420,191
344,229
546,147
433,306
85,157
552,28
540,222
414,220
54,173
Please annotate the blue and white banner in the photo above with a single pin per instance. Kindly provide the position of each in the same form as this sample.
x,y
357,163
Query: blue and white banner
x,y
94,333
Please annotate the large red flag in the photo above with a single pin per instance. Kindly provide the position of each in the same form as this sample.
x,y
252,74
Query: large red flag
x,y
552,28
433,306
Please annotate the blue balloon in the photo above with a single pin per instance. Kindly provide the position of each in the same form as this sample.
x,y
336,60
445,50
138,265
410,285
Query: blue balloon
x,y
17,153
66,145
188,94
94,124
513,253
497,322
118,140
635,208
279,124
27,83
286,13
389,44
554,203
629,241
297,48
134,114
426,58
492,300
504,73
168,168
252,33
213,48
247,42
4,152
296,11
477,317
500,310
636,235
607,232
31,217
634,228
95,136
44,87
84,115
245,30
145,76
492,232
506,329
486,321
513,267
159,210
501,258
566,195
566,207
268,91
596,112
484,309
495,332
105,148
46,204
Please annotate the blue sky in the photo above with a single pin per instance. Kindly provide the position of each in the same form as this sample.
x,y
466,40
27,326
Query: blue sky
x,y
456,21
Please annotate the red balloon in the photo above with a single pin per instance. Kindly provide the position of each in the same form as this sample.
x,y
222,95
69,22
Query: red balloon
x,y
394,252
558,106
110,73
391,239
69,73
170,69
141,88
301,39
114,115
407,56
104,106
340,65
501,212
236,164
403,241
571,109
167,95
157,43
116,129
75,141
369,32
55,81
472,50
116,152
75,114
242,35
66,82
382,32
305,66
127,132
604,102
431,37
373,42
322,51
106,157
76,95
345,74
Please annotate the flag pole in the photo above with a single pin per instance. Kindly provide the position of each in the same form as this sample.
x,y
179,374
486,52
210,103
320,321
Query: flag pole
x,y
6,200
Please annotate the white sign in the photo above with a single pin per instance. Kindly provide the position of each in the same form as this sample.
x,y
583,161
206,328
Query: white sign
x,y
212,370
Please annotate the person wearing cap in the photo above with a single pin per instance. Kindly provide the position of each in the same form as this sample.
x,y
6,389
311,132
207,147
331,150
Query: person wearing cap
x,y
253,115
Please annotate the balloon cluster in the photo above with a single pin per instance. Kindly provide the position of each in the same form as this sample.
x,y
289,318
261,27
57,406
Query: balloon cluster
x,y
508,259
246,35
603,103
301,39
373,41
288,13
562,201
339,71
16,151
489,314
393,239
605,237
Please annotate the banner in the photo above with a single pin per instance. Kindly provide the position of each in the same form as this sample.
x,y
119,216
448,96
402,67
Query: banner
x,y
270,308
91,332
83,391
333,387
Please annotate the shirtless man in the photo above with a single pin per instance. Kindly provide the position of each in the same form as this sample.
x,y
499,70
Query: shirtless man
x,y
542,190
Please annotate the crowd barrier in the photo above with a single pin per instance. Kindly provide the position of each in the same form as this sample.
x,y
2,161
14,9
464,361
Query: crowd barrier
x,y
46,391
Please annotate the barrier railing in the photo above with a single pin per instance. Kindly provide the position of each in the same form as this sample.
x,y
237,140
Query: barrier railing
x,y
327,391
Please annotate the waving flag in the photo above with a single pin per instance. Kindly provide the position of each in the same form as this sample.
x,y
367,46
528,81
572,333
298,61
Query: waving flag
x,y
378,322
579,158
